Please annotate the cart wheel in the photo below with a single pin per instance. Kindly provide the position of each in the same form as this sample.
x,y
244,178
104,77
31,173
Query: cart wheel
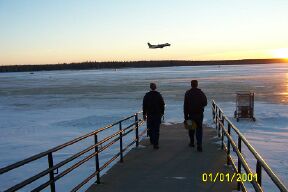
x,y
254,119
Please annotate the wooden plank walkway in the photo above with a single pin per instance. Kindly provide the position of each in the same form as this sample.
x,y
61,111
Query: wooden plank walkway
x,y
173,167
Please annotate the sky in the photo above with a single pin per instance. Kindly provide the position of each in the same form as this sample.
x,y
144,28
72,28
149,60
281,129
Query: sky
x,y
64,31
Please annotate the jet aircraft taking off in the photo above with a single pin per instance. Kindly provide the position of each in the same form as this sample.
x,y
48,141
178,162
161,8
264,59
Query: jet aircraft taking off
x,y
158,46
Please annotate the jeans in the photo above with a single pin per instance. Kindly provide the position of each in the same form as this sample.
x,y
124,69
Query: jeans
x,y
153,125
198,118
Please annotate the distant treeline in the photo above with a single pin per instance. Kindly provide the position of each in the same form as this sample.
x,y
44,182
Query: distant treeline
x,y
133,64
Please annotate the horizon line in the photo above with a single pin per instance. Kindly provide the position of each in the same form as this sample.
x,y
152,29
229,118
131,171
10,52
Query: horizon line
x,y
282,60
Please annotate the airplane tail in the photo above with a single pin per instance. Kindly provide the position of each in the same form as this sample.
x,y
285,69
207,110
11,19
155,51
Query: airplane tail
x,y
149,45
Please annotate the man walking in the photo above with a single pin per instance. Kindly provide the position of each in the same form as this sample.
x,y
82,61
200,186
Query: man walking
x,y
194,102
153,110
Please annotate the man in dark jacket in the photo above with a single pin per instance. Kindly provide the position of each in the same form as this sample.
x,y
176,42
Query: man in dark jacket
x,y
194,102
153,110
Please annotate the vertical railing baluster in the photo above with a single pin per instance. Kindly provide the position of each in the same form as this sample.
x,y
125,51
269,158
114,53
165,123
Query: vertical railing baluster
x,y
51,173
239,161
219,120
216,119
222,121
228,144
213,111
121,142
97,158
137,132
259,172
222,138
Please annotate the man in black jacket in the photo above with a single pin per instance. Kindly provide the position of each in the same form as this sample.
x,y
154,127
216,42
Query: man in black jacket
x,y
153,110
194,102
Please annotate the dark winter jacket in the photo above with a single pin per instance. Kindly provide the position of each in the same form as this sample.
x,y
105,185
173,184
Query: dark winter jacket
x,y
194,102
153,104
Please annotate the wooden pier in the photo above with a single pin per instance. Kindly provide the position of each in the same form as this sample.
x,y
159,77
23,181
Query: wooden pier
x,y
173,167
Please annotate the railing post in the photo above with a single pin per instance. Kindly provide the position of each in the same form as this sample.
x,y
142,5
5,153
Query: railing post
x,y
137,132
51,173
218,130
97,158
228,144
219,120
213,111
222,127
259,173
222,138
216,118
239,162
121,143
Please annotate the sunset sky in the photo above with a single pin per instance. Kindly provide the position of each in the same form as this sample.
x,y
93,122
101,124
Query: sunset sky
x,y
57,31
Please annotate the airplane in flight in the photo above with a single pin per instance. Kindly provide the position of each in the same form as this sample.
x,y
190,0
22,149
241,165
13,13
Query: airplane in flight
x,y
158,46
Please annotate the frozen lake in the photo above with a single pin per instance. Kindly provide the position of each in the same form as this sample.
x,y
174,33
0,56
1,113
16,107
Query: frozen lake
x,y
45,109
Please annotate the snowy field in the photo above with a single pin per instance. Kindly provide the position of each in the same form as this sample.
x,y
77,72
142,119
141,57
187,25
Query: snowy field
x,y
45,109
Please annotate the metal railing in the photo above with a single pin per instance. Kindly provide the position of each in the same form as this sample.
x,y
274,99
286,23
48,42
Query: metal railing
x,y
97,147
221,120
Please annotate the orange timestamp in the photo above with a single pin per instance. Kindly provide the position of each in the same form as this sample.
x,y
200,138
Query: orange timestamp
x,y
229,177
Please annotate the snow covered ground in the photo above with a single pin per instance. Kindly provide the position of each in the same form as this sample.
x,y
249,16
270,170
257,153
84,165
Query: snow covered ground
x,y
45,109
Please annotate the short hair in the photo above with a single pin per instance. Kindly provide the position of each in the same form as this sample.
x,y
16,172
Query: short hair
x,y
153,86
194,83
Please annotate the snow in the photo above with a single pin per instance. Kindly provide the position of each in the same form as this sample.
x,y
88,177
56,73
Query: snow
x,y
42,110
268,135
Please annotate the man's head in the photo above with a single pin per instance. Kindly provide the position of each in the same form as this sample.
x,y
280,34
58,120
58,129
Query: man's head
x,y
194,83
153,86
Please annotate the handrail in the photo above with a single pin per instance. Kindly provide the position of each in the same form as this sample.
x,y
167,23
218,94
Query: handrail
x,y
116,136
219,118
269,171
57,148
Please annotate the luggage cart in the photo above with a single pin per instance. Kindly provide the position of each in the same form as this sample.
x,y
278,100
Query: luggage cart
x,y
244,105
